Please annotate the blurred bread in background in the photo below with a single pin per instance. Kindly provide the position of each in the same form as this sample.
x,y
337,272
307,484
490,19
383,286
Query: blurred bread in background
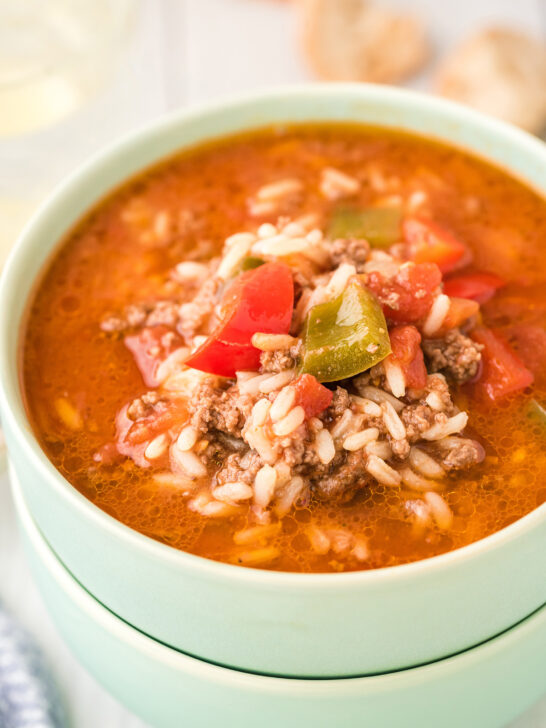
x,y
501,72
359,40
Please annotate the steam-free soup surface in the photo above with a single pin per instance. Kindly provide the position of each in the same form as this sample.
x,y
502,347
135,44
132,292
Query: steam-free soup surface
x,y
78,373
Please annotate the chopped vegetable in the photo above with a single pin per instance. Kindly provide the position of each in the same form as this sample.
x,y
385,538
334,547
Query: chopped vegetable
x,y
407,296
529,341
503,371
249,263
428,242
380,226
150,347
258,300
407,352
460,310
537,411
311,395
479,286
345,336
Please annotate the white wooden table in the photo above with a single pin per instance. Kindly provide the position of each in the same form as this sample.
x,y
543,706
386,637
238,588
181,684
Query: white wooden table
x,y
186,51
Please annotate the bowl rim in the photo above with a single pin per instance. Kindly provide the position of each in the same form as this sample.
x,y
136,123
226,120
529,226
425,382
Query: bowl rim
x,y
11,401
155,650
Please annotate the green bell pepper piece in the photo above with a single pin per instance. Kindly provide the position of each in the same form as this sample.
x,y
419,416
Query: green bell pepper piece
x,y
346,336
380,226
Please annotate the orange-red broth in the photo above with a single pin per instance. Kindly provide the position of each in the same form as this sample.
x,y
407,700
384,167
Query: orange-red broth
x,y
106,263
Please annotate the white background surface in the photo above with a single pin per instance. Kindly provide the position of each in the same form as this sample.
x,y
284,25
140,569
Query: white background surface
x,y
187,51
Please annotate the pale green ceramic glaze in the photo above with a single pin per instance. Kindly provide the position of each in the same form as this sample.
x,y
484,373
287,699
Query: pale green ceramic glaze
x,y
498,679
310,625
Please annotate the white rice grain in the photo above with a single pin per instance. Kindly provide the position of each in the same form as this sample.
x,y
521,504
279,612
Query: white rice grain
x,y
360,550
358,440
233,492
282,404
290,494
267,230
256,534
178,482
395,377
279,189
260,411
281,245
188,462
336,185
289,422
441,512
436,316
324,446
343,425
382,472
277,381
258,440
257,556
443,429
339,280
264,485
434,401
187,438
392,422
234,255
252,385
379,396
372,409
417,482
380,448
190,271
425,464
273,342
157,447
320,543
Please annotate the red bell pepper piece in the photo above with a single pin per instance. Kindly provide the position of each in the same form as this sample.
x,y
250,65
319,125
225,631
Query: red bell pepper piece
x,y
312,395
407,353
407,296
428,242
479,286
259,300
503,371
150,347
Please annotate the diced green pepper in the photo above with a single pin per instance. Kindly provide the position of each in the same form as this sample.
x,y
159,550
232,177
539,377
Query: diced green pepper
x,y
380,226
345,336
249,263
537,411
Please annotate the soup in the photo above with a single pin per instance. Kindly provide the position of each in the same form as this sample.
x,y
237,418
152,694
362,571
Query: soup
x,y
310,348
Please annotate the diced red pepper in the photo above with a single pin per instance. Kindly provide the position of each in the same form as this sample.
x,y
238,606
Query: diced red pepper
x,y
312,395
150,347
460,310
259,300
503,371
407,352
407,296
479,286
428,242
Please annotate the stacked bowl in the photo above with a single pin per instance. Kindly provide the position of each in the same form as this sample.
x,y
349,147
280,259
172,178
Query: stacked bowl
x,y
174,634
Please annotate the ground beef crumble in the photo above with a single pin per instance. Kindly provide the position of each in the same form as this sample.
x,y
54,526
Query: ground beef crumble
x,y
350,250
456,356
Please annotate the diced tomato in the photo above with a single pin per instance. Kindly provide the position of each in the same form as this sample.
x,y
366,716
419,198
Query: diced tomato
x,y
530,343
408,295
503,371
259,300
479,286
428,242
312,395
150,347
460,310
407,352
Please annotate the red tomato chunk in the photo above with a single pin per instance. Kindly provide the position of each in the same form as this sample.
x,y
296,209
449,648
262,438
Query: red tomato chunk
x,y
150,347
503,371
406,297
312,395
428,242
407,352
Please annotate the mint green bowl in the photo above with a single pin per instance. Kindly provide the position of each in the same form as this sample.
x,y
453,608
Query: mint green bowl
x,y
498,679
274,623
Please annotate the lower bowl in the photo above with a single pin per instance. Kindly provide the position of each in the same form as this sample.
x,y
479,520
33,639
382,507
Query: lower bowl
x,y
498,679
